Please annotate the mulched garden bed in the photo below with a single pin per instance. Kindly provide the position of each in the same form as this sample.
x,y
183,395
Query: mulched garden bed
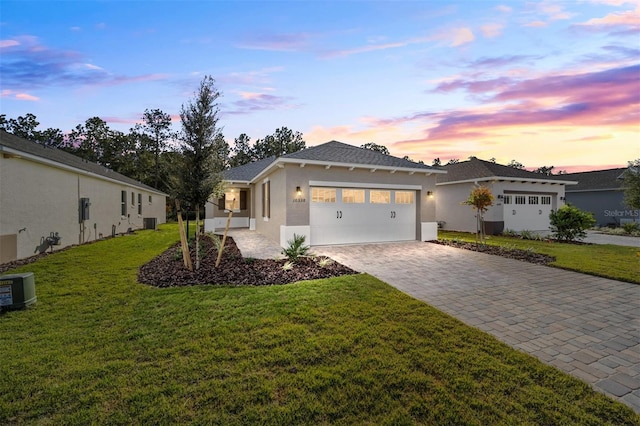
x,y
511,253
167,270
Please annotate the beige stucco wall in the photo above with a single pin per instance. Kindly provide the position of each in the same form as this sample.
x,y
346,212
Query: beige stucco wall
x,y
37,199
298,212
271,226
291,210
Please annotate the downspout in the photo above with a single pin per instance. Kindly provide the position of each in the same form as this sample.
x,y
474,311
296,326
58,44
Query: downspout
x,y
81,223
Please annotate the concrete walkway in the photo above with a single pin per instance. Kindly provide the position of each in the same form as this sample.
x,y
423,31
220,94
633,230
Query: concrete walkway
x,y
619,240
255,245
584,325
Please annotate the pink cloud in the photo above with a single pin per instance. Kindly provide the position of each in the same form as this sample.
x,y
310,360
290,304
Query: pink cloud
x,y
459,36
630,18
536,24
26,97
491,30
8,43
7,93
588,100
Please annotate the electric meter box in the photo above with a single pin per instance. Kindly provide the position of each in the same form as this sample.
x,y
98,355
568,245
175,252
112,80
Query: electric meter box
x,y
17,291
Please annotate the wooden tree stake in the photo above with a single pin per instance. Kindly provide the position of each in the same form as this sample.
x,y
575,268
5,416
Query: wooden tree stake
x,y
224,238
186,256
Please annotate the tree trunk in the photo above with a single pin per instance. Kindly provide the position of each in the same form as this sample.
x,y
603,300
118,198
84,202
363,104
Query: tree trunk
x,y
197,237
186,257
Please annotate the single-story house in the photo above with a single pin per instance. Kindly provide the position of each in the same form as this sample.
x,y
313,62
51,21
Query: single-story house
x,y
51,199
332,193
601,192
523,199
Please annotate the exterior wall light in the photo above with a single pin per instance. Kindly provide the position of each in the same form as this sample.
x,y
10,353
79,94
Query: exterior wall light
x,y
298,190
500,197
430,194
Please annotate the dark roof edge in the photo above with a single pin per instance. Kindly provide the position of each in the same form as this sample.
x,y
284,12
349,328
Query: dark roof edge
x,y
110,175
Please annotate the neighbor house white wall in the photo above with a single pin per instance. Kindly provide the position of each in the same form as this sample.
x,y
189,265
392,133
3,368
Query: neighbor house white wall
x,y
38,199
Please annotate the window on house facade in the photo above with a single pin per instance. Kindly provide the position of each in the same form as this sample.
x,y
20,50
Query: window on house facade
x,y
133,198
232,200
353,196
323,195
139,203
266,199
545,199
521,199
404,197
123,203
235,200
533,199
379,197
150,199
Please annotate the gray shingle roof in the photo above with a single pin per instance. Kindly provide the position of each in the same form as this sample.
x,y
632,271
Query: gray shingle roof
x,y
330,152
478,169
247,172
338,152
62,157
597,180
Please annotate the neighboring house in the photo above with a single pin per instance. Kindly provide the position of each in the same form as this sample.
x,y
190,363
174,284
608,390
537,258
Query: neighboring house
x,y
523,199
601,192
332,193
50,199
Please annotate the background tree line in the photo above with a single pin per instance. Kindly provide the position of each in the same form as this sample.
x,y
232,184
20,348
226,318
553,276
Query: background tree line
x,y
151,151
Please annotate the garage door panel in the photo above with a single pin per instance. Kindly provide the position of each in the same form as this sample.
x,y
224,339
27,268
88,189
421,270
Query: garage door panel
x,y
355,222
532,212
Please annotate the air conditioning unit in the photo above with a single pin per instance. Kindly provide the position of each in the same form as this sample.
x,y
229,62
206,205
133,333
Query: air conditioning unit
x,y
17,291
149,222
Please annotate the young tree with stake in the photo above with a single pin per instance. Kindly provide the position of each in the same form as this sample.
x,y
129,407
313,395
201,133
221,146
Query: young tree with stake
x,y
480,199
200,134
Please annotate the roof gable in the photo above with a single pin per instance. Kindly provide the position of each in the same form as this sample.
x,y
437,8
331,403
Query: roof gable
x,y
330,153
476,169
597,180
247,172
338,152
64,158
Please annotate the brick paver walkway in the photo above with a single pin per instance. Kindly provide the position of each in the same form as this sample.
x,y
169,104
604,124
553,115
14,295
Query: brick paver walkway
x,y
584,325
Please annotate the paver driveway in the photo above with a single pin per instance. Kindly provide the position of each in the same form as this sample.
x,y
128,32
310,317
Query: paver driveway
x,y
584,325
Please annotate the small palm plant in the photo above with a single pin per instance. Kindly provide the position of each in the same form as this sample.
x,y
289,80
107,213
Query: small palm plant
x,y
296,248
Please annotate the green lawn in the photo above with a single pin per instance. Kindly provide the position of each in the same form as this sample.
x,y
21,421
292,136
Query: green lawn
x,y
604,260
100,348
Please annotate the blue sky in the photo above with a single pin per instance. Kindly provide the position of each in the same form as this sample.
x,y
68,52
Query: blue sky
x,y
544,83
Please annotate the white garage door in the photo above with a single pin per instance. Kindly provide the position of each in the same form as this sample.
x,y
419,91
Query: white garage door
x,y
359,215
527,212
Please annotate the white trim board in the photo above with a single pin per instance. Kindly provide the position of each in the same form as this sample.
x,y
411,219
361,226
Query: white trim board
x,y
363,185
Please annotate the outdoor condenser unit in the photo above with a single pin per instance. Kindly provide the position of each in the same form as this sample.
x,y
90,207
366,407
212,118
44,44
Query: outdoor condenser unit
x,y
17,291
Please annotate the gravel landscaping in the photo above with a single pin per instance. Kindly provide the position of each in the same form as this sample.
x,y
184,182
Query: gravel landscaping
x,y
167,270
511,253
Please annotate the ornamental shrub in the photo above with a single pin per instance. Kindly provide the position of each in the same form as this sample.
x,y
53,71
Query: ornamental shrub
x,y
296,248
569,223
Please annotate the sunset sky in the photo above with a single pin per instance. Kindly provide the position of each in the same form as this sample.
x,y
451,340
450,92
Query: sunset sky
x,y
553,83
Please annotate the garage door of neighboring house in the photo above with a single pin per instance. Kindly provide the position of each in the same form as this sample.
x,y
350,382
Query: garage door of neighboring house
x,y
361,215
527,212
